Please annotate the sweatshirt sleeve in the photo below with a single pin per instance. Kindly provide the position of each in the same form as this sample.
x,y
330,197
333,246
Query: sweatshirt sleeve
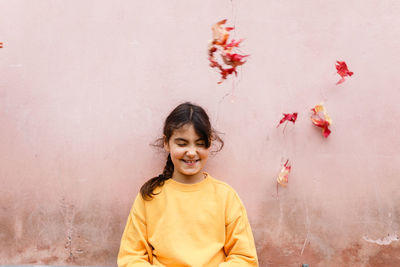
x,y
239,243
134,250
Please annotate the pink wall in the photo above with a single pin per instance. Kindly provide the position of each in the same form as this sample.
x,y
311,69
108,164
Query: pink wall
x,y
85,86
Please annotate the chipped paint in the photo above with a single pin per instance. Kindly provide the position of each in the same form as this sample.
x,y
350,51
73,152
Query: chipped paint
x,y
387,240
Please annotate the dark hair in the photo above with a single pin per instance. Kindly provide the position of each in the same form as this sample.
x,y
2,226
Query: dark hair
x,y
186,113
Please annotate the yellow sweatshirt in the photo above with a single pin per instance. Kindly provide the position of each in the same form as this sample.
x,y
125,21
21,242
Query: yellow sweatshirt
x,y
196,225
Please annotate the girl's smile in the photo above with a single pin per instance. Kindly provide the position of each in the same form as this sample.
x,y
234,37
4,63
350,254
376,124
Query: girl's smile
x,y
188,154
190,162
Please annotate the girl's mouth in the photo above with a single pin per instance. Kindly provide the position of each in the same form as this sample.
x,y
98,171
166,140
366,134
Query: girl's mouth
x,y
191,162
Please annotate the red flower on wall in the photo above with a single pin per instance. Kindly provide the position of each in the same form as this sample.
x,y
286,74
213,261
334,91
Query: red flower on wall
x,y
1,45
342,70
288,117
220,44
321,119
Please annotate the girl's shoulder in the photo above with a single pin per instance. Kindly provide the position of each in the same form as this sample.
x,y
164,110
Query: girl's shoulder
x,y
227,194
222,186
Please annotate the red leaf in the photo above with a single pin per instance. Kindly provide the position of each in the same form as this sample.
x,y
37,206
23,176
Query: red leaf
x,y
225,72
288,117
234,43
342,70
233,59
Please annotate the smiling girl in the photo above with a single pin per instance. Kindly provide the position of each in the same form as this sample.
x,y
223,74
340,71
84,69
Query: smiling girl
x,y
185,217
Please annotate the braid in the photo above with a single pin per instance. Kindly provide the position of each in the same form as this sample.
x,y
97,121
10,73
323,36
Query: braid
x,y
169,168
147,189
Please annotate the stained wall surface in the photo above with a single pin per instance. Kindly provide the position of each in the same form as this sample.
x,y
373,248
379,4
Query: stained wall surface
x,y
86,85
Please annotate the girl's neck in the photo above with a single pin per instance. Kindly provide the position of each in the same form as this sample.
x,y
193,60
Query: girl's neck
x,y
192,179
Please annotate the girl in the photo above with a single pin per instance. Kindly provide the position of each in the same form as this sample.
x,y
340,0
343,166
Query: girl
x,y
185,217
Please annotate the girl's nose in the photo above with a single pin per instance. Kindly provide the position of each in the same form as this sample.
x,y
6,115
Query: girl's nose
x,y
191,151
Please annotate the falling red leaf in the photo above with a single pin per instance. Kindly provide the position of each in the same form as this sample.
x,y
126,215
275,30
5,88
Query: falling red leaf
x,y
288,117
226,72
342,70
220,44
321,119
234,43
233,59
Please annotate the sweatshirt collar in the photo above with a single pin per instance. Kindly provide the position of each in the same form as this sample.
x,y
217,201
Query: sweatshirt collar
x,y
188,187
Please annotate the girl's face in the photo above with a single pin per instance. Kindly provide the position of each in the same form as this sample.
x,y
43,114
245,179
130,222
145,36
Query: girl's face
x,y
188,154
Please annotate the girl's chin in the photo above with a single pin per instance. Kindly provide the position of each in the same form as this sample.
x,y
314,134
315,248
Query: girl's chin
x,y
190,173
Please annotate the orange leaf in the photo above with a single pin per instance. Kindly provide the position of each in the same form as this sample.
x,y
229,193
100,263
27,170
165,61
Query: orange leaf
x,y
220,33
321,119
283,177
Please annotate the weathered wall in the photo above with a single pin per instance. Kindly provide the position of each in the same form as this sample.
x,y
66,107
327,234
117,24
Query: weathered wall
x,y
85,86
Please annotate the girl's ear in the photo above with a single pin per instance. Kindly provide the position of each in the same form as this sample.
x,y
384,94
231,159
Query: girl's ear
x,y
166,145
